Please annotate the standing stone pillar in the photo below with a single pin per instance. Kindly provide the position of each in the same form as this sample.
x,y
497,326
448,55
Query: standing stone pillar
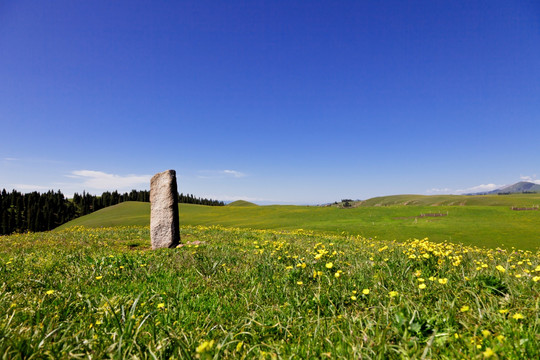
x,y
164,221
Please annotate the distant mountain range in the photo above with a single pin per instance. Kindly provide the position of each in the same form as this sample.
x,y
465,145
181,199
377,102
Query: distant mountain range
x,y
520,187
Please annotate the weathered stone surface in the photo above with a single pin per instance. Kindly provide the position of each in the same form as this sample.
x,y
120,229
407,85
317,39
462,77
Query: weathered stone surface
x,y
164,221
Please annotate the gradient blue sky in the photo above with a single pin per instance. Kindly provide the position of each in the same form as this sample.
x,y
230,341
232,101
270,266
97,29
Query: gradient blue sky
x,y
301,102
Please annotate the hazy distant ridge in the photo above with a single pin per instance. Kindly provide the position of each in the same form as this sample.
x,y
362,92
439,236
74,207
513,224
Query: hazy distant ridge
x,y
522,186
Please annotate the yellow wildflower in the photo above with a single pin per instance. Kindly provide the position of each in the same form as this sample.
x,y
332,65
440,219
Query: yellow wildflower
x,y
99,277
50,292
488,353
299,283
329,265
239,346
204,346
464,308
500,268
393,293
422,286
160,305
443,281
518,316
365,291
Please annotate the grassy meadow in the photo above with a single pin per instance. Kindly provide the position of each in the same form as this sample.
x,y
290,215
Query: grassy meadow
x,y
404,277
473,220
268,294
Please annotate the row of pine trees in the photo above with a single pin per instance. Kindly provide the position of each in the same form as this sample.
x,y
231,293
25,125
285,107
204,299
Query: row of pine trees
x,y
34,211
44,211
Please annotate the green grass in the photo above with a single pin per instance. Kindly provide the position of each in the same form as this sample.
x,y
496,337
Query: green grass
x,y
123,214
263,294
519,200
481,225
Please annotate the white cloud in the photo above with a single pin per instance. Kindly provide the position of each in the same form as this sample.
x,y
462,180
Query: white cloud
x,y
439,191
30,187
479,188
234,173
529,179
471,190
98,180
217,174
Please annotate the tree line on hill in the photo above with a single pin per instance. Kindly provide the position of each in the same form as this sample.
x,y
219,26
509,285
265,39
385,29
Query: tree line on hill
x,y
44,211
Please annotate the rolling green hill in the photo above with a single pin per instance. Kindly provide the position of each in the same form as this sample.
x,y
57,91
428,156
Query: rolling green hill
x,y
482,225
241,203
519,200
126,213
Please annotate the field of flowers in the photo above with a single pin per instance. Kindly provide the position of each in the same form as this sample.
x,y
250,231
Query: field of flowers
x,y
237,293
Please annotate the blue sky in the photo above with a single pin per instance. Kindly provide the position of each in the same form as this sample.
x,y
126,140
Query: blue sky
x,y
301,102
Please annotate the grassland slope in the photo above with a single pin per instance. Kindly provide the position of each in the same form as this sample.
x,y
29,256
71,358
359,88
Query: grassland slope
x,y
123,214
241,203
518,200
490,226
